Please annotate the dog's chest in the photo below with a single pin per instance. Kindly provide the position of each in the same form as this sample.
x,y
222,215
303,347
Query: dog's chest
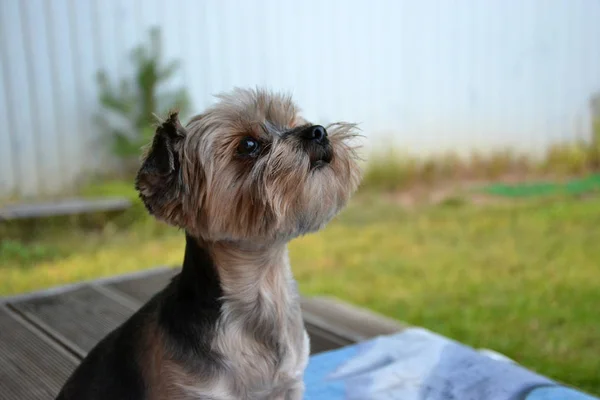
x,y
254,376
265,364
262,359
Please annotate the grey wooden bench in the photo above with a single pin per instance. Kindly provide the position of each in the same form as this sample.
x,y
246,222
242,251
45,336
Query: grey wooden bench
x,y
63,208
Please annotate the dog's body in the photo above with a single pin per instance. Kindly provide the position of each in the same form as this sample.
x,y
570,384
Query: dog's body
x,y
242,180
198,340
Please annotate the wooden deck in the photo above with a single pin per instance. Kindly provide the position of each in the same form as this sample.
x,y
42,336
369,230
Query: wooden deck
x,y
44,335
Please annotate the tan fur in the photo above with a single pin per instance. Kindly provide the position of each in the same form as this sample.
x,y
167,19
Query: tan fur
x,y
222,200
244,212
260,293
160,374
258,285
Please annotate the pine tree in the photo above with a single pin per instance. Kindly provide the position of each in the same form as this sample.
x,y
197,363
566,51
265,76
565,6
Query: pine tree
x,y
131,106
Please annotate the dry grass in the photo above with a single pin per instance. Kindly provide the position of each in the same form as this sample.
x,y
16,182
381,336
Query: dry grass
x,y
391,171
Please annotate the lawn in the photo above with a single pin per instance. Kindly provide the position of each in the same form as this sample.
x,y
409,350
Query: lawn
x,y
521,278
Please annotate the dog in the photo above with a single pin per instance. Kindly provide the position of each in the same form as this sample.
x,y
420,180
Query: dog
x,y
241,180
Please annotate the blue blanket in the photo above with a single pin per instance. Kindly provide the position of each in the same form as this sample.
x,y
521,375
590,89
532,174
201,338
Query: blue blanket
x,y
417,364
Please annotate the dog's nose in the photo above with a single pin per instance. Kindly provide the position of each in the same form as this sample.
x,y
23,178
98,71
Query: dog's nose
x,y
316,133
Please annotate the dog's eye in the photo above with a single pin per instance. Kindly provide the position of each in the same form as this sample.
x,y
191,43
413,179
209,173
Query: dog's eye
x,y
248,146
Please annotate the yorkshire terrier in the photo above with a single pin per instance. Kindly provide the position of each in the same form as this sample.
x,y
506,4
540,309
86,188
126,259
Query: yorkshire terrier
x,y
242,180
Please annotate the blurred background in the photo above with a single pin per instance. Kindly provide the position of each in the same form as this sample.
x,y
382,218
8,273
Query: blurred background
x,y
478,216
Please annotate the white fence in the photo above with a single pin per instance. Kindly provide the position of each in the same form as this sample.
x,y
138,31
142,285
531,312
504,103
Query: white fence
x,y
430,75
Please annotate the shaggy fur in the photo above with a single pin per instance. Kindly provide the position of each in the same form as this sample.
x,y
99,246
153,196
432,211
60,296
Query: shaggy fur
x,y
229,326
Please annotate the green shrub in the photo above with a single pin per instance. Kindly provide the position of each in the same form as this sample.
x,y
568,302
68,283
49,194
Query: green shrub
x,y
138,99
16,252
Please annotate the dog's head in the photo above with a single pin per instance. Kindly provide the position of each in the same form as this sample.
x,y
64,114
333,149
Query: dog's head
x,y
248,168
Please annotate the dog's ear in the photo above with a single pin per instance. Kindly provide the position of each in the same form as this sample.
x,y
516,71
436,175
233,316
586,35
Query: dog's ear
x,y
159,180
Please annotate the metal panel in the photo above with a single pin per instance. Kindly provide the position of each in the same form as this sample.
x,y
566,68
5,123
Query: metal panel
x,y
8,173
43,117
81,15
71,139
428,75
18,95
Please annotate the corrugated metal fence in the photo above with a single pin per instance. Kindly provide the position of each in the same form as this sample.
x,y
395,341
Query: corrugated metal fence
x,y
429,75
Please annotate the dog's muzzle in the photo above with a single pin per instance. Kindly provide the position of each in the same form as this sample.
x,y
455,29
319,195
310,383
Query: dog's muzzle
x,y
316,143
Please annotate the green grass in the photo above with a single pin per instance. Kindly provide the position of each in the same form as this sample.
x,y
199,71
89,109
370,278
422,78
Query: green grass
x,y
522,279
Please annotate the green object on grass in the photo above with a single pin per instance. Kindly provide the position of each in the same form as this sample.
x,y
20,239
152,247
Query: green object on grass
x,y
573,187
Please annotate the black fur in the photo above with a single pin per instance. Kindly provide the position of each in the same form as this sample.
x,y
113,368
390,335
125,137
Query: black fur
x,y
185,311
159,179
189,313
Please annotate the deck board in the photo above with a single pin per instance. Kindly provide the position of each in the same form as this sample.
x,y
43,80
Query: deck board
x,y
143,288
79,318
31,366
44,335
327,330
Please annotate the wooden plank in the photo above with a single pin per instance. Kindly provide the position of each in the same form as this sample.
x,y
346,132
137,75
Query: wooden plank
x,y
330,324
77,318
72,286
323,340
82,316
143,288
34,367
346,321
31,366
63,207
